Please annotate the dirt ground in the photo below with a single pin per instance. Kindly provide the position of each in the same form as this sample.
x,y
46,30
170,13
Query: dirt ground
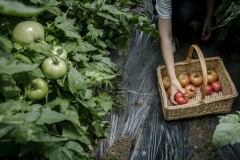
x,y
201,140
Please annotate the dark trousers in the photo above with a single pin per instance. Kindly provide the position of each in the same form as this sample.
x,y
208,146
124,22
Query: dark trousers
x,y
184,12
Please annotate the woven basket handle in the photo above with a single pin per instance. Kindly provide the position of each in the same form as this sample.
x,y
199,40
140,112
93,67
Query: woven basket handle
x,y
203,65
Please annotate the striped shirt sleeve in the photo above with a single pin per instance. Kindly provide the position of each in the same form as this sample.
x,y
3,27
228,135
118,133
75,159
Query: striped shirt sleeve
x,y
164,8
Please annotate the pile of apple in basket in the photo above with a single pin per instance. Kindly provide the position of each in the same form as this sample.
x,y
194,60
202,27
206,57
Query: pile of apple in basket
x,y
192,83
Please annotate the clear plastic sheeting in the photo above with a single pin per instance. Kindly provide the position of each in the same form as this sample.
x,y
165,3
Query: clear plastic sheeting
x,y
140,132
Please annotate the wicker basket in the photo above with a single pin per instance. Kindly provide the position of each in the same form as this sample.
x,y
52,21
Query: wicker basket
x,y
202,104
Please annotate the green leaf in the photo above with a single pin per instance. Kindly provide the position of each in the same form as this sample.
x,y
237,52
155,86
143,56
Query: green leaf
x,y
227,17
94,33
49,38
107,65
42,48
107,16
80,57
68,28
70,131
69,46
8,86
63,103
227,131
28,147
16,8
1,118
5,129
9,65
102,64
10,107
37,72
76,147
76,81
17,46
121,44
229,118
98,76
100,127
6,44
84,46
60,19
31,114
48,117
54,151
47,3
99,71
38,133
87,94
107,106
103,45
105,101
112,9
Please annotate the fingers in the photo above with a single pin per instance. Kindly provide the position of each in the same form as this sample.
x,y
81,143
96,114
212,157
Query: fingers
x,y
172,99
206,37
206,34
180,89
203,32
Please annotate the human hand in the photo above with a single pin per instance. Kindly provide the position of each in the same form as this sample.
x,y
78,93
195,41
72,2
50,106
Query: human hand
x,y
206,32
174,88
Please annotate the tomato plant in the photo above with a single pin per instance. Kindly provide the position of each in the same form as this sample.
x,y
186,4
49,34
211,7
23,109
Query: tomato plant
x,y
54,67
191,90
183,79
166,82
27,32
182,99
196,79
209,89
79,102
60,52
37,89
212,76
216,86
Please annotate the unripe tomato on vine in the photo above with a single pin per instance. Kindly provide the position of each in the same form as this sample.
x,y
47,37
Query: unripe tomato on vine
x,y
54,67
27,32
37,89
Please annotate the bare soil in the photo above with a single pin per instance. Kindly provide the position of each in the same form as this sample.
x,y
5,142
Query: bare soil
x,y
201,140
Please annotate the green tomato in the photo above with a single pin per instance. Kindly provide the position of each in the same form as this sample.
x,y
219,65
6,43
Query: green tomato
x,y
54,67
27,32
60,52
37,89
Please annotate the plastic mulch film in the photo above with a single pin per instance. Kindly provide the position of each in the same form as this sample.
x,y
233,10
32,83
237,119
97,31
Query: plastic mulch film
x,y
140,132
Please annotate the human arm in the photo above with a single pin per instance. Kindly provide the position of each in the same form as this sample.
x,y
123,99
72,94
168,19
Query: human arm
x,y
165,33
206,33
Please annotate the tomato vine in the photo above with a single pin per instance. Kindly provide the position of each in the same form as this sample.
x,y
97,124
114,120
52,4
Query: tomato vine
x,y
67,118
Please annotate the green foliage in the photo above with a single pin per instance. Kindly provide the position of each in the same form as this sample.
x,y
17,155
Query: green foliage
x,y
227,19
227,131
69,120
16,8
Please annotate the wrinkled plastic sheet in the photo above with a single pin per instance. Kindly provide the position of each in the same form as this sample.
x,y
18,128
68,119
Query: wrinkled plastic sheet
x,y
140,132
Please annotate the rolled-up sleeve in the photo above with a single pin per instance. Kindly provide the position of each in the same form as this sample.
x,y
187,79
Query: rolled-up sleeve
x,y
164,8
